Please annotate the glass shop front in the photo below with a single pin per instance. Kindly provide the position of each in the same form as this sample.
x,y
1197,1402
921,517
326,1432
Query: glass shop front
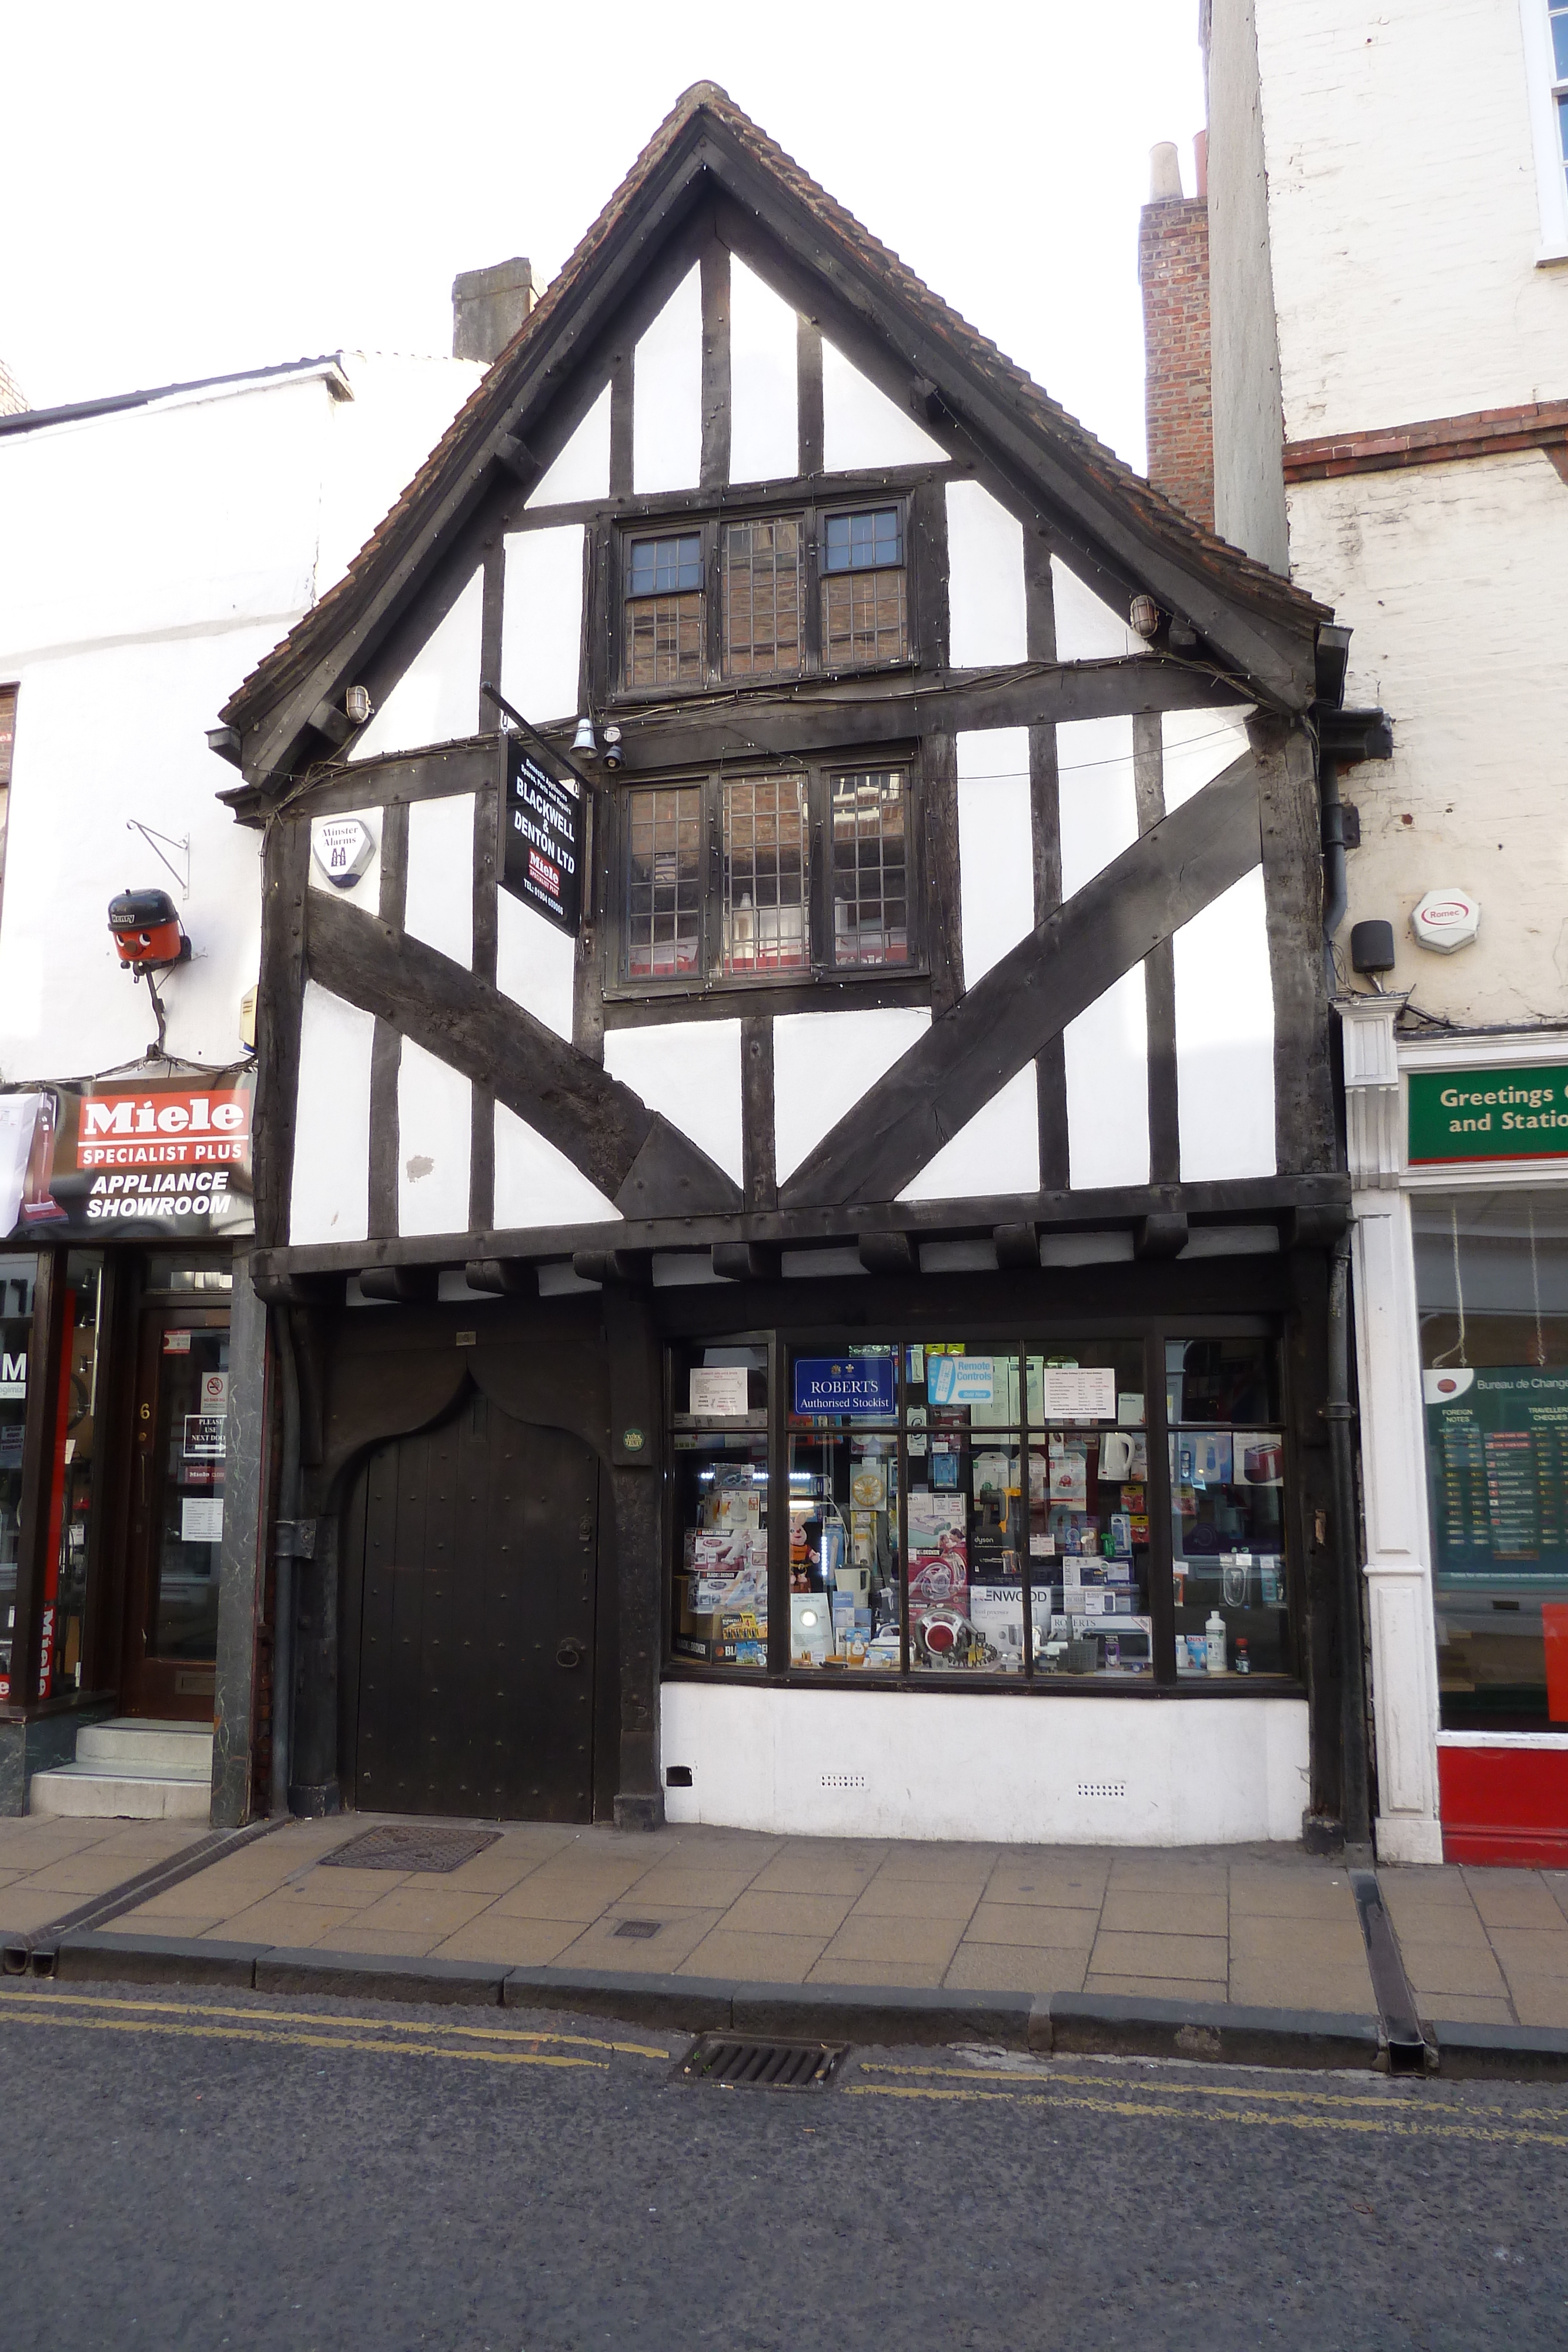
x,y
1020,1509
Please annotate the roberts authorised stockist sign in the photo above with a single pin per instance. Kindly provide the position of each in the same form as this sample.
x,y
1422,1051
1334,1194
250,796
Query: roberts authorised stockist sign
x,y
1520,1114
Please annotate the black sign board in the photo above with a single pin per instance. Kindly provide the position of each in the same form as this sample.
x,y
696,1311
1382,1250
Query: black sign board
x,y
546,838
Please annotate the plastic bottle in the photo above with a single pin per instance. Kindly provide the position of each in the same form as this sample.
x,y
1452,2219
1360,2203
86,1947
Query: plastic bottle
x,y
1215,1631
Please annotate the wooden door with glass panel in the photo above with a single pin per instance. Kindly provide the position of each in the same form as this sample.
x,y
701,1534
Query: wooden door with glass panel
x,y
176,1512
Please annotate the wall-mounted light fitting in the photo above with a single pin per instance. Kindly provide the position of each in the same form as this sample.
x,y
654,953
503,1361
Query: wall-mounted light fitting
x,y
584,740
1143,616
614,752
358,704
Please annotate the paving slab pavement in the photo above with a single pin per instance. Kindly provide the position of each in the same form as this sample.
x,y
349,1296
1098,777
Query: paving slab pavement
x,y
1252,1926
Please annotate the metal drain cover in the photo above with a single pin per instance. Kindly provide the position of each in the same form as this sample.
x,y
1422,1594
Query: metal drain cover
x,y
764,2065
640,1927
409,1849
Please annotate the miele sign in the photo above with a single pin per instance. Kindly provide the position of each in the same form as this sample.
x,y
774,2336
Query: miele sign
x,y
164,1130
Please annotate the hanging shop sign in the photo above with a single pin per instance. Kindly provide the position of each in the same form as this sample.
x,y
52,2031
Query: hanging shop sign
x,y
545,847
1496,1449
859,1386
127,1158
1507,1114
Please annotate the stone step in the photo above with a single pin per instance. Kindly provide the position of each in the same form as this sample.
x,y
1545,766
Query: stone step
x,y
140,1745
82,1791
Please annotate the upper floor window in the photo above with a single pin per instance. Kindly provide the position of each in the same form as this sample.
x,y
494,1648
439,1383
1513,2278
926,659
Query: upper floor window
x,y
766,596
1557,17
788,873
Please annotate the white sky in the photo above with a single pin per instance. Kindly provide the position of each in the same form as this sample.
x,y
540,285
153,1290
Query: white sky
x,y
191,188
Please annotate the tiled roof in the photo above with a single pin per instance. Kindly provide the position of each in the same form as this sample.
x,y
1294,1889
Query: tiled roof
x,y
1227,568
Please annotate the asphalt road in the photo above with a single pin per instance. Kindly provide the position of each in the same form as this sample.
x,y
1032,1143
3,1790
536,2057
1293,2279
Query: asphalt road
x,y
187,2169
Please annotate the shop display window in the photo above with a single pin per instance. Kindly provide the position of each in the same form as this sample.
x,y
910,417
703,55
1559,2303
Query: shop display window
x,y
18,1276
1491,1284
1226,1460
719,1447
1088,1509
980,1509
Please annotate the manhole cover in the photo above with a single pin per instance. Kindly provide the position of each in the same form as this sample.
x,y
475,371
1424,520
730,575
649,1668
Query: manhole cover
x,y
401,1849
763,2065
642,1927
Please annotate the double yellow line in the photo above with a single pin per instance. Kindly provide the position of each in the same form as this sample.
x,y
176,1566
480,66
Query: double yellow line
x,y
490,2046
1247,2103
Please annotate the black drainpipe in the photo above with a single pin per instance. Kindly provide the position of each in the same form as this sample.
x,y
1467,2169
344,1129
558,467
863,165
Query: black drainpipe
x,y
1355,1802
284,1543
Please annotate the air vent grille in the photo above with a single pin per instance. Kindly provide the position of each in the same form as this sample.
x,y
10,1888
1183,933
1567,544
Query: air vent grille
x,y
843,1780
1102,1789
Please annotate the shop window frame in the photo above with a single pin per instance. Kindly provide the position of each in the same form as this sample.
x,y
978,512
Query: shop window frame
x,y
1163,1682
879,983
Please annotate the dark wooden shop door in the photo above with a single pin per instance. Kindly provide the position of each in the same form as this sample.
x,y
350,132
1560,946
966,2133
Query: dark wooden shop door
x,y
477,1639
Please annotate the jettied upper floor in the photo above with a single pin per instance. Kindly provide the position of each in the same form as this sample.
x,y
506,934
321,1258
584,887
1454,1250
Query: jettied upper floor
x,y
916,892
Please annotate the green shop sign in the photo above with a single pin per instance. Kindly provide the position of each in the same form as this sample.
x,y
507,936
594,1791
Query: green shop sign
x,y
1489,1113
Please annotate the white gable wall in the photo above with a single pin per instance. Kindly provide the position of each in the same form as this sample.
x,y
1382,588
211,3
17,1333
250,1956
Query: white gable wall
x,y
1098,803
536,1184
984,580
764,423
436,699
996,846
1225,1037
823,1063
582,468
861,426
434,1115
1106,1051
1086,627
535,963
667,394
998,1151
541,622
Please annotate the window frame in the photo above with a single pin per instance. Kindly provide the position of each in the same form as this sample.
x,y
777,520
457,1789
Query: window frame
x,y
10,700
1546,86
811,508
819,971
1015,1335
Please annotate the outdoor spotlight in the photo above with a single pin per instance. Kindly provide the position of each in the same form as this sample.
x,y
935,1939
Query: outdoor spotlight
x,y
357,703
583,740
1145,615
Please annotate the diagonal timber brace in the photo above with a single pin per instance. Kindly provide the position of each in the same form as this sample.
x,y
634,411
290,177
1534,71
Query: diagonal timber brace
x,y
1176,868
646,1167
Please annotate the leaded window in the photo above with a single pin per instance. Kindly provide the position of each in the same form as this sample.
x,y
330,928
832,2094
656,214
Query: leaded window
x,y
762,597
664,620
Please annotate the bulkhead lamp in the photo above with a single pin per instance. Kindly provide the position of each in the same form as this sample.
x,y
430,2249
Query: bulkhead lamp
x,y
148,934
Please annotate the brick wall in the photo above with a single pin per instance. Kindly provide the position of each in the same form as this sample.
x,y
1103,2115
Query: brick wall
x,y
1172,268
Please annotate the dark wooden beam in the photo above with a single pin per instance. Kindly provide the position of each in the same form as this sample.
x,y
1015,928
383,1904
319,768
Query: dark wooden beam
x,y
808,393
401,778
634,1157
759,1183
713,467
1171,874
1159,968
281,996
939,851
1292,880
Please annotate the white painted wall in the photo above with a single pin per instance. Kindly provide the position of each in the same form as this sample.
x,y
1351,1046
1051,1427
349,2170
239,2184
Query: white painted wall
x,y
1198,746
435,1113
541,622
1404,215
1086,627
996,846
377,442
764,420
1098,803
984,580
996,1151
582,468
438,906
535,960
1106,1051
436,699
823,1063
688,1071
1225,1037
1453,579
538,1185
1000,1769
330,1199
861,426
666,395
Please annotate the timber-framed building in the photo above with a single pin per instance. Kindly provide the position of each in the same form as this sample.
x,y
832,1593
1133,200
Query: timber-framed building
x,y
795,1161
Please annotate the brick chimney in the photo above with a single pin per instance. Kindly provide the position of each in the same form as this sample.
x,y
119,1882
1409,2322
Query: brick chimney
x,y
1173,269
488,306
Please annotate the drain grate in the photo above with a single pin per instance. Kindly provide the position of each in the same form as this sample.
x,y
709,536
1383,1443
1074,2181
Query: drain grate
x,y
409,1849
763,2065
642,1927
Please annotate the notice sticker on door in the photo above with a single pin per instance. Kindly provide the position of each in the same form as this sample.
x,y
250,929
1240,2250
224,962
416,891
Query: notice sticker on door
x,y
719,1390
203,1439
214,1392
176,1343
201,1519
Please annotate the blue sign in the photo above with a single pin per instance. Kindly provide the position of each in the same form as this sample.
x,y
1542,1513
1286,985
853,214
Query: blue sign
x,y
830,1386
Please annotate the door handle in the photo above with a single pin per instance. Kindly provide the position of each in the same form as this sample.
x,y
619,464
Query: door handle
x,y
570,1655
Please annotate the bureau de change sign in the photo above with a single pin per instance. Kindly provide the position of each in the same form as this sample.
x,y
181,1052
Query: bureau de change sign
x,y
1518,1114
546,838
